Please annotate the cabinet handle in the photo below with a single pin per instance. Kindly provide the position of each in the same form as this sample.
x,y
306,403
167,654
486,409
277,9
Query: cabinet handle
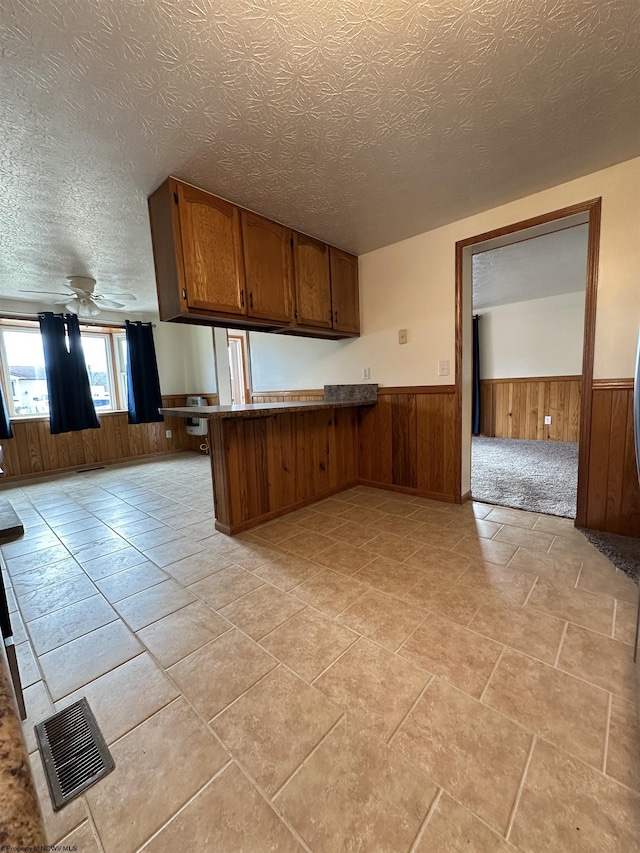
x,y
242,298
251,300
335,316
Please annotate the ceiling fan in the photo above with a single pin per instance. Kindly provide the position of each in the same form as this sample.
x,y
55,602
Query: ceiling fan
x,y
82,299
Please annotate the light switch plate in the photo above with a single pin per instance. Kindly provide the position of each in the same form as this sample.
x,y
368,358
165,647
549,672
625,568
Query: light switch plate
x,y
443,368
366,373
402,336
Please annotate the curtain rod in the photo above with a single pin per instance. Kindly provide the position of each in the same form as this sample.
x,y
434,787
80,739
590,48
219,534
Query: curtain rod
x,y
11,315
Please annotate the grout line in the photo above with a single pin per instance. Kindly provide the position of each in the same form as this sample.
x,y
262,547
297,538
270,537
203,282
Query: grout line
x,y
605,751
516,802
564,634
578,576
243,694
432,808
305,760
491,674
614,618
420,695
341,655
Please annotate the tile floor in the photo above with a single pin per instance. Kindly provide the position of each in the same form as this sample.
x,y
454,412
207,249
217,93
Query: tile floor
x,y
373,673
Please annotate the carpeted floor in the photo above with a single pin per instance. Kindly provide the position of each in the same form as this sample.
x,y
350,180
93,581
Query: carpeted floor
x,y
623,551
541,476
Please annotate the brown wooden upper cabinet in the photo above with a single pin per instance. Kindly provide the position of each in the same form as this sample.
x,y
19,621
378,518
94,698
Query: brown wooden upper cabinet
x,y
220,265
267,264
313,282
344,291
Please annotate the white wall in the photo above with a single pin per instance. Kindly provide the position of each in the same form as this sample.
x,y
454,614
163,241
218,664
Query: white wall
x,y
186,363
411,284
540,337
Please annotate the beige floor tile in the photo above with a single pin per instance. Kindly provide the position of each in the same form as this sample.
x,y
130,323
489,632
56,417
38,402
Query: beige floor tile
x,y
159,766
581,608
126,583
499,581
386,620
453,829
251,556
516,517
231,798
412,529
81,839
363,794
225,586
403,509
478,528
625,622
329,592
64,570
564,710
177,635
274,727
452,652
623,749
434,517
373,684
216,674
151,604
318,522
565,547
196,567
28,544
570,807
557,526
135,528
558,571
354,534
605,580
55,629
38,706
102,567
389,576
77,663
275,532
306,543
288,571
36,559
171,552
532,540
486,549
474,752
600,660
437,537
344,558
100,548
438,561
60,823
55,597
122,698
308,643
455,601
27,666
534,633
331,506
391,546
365,500
152,538
261,611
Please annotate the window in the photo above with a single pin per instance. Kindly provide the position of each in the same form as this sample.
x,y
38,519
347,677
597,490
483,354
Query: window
x,y
23,370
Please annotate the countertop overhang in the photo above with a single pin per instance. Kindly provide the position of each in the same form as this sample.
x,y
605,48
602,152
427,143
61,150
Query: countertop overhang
x,y
257,410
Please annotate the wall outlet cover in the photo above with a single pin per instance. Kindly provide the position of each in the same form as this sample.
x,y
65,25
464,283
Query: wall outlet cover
x,y
547,420
443,368
366,373
402,336
167,433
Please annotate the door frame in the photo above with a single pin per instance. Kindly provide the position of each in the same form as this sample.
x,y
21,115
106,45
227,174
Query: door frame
x,y
593,208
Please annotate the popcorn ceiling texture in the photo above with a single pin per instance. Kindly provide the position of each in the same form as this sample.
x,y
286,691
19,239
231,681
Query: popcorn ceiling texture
x,y
360,122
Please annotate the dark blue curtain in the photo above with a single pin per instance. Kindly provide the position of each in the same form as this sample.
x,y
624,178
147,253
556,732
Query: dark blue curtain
x,y
5,423
143,384
475,409
70,405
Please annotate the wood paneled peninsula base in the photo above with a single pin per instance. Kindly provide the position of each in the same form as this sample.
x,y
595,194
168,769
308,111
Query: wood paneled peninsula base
x,y
268,459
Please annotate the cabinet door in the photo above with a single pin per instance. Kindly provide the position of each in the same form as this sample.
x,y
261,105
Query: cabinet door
x,y
211,251
344,291
313,286
267,266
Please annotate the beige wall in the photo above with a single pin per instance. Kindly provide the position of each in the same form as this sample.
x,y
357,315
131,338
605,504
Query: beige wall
x,y
185,357
411,284
540,337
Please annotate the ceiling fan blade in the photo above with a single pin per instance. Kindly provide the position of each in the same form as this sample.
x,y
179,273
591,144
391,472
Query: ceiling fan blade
x,y
44,293
128,296
110,303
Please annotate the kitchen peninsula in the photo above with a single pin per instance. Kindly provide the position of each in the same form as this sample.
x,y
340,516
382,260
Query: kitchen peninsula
x,y
268,459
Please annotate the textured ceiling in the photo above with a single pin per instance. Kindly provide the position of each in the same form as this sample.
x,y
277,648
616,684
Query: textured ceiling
x,y
532,269
360,121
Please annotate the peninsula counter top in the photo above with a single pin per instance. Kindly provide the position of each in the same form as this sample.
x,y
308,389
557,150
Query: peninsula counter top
x,y
256,410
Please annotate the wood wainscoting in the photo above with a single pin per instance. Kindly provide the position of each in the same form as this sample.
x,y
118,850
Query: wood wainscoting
x,y
613,494
33,451
516,408
407,441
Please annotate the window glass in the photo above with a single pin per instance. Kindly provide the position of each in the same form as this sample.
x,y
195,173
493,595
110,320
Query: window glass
x,y
25,366
97,360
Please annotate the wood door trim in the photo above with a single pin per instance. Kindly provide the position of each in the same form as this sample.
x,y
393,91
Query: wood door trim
x,y
611,384
593,207
575,378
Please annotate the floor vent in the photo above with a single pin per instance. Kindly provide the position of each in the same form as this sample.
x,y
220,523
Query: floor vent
x,y
73,752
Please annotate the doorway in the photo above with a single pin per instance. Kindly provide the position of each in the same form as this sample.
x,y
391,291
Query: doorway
x,y
237,345
587,213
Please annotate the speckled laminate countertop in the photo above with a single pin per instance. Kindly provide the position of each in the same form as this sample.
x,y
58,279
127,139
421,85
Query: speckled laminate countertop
x,y
256,410
20,818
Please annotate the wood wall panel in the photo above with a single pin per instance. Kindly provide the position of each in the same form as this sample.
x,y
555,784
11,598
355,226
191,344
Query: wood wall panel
x,y
613,493
33,450
516,408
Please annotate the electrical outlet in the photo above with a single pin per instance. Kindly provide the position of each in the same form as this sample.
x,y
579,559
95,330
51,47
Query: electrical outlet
x,y
547,420
167,433
366,373
402,336
443,368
